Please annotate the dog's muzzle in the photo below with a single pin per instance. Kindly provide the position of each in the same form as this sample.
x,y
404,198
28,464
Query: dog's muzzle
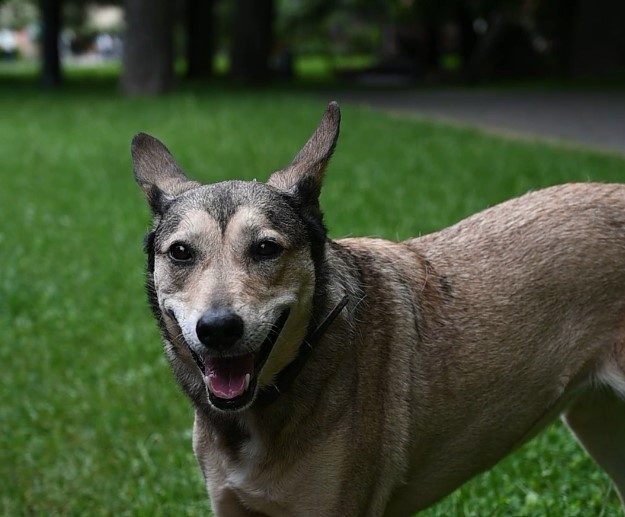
x,y
231,382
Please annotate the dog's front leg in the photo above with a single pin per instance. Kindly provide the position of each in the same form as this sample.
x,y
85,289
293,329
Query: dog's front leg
x,y
225,503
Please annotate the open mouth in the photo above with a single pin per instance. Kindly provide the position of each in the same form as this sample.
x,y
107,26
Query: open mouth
x,y
231,381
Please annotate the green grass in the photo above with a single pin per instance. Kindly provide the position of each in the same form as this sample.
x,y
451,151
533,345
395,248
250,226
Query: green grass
x,y
91,421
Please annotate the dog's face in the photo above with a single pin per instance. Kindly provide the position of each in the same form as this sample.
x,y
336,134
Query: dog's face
x,y
232,265
234,277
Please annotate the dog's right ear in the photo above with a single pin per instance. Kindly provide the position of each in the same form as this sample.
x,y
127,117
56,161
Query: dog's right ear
x,y
157,172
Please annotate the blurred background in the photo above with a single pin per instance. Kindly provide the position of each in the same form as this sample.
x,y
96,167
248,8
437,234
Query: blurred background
x,y
154,44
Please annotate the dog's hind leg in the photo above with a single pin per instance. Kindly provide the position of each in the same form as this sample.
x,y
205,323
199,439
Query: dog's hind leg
x,y
597,418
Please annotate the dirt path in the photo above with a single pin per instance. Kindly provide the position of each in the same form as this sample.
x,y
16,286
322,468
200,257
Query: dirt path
x,y
590,119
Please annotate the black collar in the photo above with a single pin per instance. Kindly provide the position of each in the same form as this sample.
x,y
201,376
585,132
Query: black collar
x,y
269,394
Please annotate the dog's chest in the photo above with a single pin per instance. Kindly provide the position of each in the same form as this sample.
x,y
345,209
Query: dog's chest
x,y
256,481
272,484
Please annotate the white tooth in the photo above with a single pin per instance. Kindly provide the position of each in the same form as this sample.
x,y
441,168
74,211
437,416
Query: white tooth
x,y
247,380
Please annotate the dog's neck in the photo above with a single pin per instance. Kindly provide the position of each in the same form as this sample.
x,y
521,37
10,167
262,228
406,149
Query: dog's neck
x,y
286,377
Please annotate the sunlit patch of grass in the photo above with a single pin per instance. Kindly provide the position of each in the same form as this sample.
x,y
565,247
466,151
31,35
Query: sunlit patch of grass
x,y
91,420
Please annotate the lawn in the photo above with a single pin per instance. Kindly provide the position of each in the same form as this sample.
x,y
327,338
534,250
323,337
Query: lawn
x,y
91,421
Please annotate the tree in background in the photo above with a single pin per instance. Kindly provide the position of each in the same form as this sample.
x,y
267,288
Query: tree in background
x,y
252,34
148,55
586,36
50,33
477,40
199,18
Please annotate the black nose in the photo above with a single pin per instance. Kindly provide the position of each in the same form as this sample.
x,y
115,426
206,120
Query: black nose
x,y
219,329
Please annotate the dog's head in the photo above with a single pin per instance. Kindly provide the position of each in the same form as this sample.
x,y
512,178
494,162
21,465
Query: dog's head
x,y
232,266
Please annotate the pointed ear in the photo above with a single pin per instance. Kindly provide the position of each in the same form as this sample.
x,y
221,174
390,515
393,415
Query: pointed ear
x,y
305,174
157,173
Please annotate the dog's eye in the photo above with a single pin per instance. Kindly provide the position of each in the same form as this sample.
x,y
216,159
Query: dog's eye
x,y
178,252
266,249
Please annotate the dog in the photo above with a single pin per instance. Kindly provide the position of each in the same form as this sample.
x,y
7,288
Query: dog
x,y
364,377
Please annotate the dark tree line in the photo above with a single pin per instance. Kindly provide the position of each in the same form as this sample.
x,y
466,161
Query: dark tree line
x,y
584,36
148,57
199,19
252,39
50,32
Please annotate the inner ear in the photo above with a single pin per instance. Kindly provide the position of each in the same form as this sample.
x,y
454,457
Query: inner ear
x,y
157,172
304,176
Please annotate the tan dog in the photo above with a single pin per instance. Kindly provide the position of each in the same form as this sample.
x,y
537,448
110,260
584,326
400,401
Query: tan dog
x,y
363,377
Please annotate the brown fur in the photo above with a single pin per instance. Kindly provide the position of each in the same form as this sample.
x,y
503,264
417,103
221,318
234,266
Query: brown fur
x,y
454,348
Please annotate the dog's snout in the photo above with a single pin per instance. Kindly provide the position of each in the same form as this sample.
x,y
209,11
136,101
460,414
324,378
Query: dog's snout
x,y
219,329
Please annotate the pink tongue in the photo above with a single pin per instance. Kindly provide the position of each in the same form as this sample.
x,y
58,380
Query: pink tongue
x,y
226,376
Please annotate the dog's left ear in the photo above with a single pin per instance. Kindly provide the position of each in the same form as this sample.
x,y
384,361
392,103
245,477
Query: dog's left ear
x,y
303,178
157,172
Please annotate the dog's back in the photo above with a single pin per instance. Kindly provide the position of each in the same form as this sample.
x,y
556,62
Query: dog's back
x,y
521,309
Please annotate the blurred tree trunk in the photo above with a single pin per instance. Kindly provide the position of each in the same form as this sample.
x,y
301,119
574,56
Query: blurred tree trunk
x,y
147,66
556,19
430,12
200,32
50,58
565,23
586,36
597,46
252,40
